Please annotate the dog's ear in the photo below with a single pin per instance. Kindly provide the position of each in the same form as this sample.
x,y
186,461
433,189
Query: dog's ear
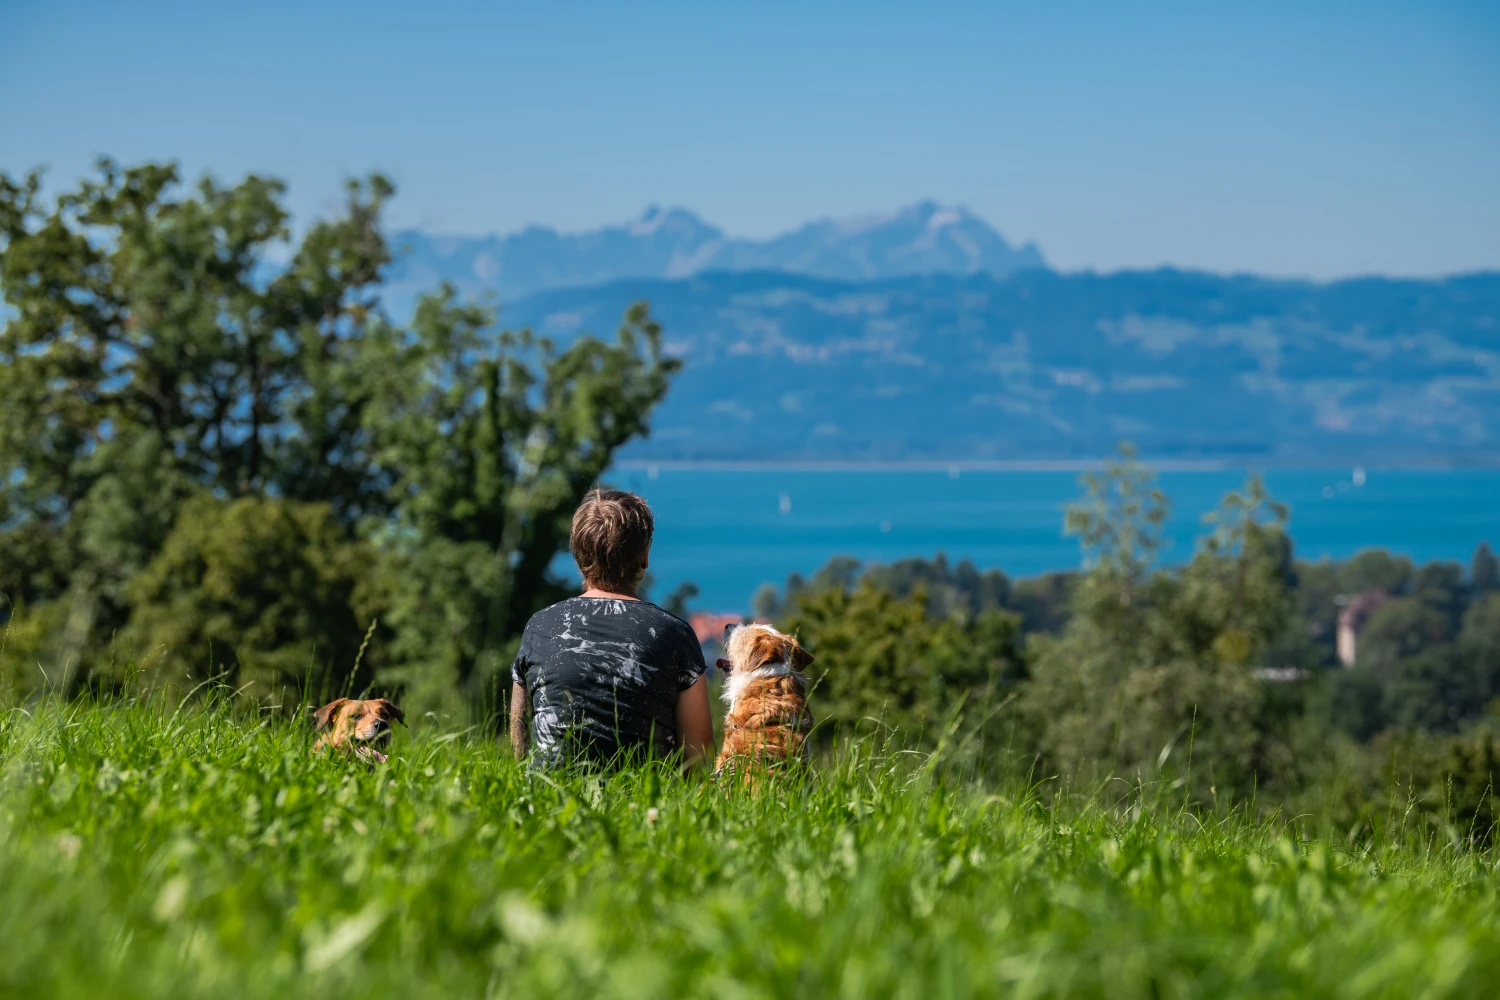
x,y
323,717
390,710
801,658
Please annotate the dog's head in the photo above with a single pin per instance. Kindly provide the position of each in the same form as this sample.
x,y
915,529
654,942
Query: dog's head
x,y
361,725
750,647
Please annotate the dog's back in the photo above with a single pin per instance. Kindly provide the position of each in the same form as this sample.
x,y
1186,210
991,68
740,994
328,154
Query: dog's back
x,y
768,719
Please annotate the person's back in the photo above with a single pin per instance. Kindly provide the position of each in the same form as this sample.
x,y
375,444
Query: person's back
x,y
606,675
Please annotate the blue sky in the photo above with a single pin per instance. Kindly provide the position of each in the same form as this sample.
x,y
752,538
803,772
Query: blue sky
x,y
1323,139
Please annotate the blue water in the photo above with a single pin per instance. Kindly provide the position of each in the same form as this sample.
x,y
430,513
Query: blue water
x,y
730,530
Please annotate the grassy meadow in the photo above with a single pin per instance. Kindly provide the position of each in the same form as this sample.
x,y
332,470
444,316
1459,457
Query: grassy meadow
x,y
156,849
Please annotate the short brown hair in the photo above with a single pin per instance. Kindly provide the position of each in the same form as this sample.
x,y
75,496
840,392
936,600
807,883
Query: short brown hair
x,y
611,535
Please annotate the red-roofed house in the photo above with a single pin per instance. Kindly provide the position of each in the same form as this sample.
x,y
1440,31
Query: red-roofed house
x,y
709,627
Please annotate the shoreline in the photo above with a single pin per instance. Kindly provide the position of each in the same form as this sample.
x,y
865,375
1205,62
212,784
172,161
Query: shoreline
x,y
960,466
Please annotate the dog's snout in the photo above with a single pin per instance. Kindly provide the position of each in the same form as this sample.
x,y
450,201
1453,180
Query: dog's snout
x,y
729,630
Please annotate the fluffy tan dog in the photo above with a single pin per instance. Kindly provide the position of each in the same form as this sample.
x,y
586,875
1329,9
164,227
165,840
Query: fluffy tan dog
x,y
357,728
766,690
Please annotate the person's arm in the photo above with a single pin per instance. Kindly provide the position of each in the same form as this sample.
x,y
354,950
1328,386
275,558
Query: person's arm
x,y
520,727
695,728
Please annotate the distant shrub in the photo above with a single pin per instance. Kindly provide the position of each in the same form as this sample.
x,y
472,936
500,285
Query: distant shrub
x,y
29,648
883,657
261,591
1402,628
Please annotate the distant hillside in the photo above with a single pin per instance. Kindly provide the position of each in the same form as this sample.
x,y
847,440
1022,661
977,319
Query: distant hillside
x,y
673,243
1042,365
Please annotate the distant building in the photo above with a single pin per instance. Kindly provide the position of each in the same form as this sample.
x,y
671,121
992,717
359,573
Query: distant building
x,y
1352,621
708,626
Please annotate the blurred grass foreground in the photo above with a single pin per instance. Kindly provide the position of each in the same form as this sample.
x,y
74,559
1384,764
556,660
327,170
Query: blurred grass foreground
x,y
151,848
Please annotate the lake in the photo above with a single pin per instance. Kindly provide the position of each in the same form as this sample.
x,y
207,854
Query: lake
x,y
731,529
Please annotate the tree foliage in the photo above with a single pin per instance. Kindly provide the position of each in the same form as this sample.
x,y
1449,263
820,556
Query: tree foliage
x,y
1155,666
491,442
886,659
166,347
268,595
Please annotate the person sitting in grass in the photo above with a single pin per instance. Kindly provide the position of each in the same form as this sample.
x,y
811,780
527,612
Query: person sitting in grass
x,y
606,676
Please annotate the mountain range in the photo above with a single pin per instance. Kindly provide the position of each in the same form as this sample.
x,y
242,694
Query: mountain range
x,y
925,335
926,238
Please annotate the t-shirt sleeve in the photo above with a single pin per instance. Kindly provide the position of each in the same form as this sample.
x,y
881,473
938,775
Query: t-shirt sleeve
x,y
522,662
691,665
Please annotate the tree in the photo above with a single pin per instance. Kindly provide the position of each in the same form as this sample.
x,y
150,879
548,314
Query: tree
x,y
268,595
157,354
1410,676
148,359
962,588
882,657
1152,661
1376,569
1479,638
677,601
1441,586
1484,570
1436,690
491,442
1043,601
1356,702
1399,629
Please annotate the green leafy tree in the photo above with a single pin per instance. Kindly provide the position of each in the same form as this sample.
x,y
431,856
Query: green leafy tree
x,y
167,346
267,595
1436,689
1152,663
147,359
1435,684
880,656
1357,702
1376,569
491,442
1468,790
962,588
1480,639
1043,601
1484,570
1400,629
1411,677
677,601
1442,587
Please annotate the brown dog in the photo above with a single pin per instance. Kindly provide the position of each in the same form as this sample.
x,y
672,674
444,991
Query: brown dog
x,y
360,728
766,689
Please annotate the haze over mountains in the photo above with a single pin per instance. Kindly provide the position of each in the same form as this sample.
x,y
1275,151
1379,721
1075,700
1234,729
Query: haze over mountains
x,y
924,335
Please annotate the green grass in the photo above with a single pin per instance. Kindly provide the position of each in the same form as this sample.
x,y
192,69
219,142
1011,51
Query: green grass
x,y
146,851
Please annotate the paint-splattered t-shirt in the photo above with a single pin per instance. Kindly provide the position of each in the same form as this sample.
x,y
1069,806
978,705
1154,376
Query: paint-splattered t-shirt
x,y
603,675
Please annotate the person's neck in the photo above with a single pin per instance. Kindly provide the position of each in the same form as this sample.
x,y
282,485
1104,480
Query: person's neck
x,y
618,595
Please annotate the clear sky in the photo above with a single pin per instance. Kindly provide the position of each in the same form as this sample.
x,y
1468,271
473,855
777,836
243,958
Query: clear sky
x,y
1320,138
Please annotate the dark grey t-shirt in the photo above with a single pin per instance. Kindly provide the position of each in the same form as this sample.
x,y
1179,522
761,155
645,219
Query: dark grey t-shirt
x,y
603,675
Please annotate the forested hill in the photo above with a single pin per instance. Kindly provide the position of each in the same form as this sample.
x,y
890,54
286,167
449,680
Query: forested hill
x,y
1040,365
